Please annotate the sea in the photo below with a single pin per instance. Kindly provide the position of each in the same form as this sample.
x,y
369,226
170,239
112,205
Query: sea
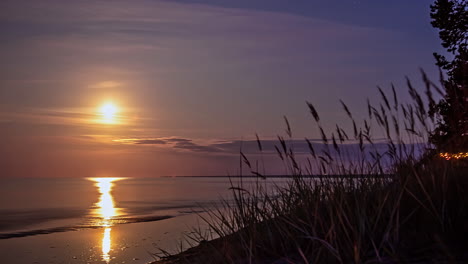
x,y
107,220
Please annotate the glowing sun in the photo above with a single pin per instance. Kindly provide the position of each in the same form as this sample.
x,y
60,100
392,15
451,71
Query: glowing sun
x,y
108,112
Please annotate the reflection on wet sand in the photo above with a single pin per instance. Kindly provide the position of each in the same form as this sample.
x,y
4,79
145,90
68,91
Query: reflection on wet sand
x,y
106,211
106,244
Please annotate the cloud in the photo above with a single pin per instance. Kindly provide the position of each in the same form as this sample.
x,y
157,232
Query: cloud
x,y
178,140
141,141
348,150
106,85
47,116
176,143
149,142
191,146
219,146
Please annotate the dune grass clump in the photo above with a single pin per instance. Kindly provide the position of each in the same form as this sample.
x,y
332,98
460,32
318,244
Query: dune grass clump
x,y
395,201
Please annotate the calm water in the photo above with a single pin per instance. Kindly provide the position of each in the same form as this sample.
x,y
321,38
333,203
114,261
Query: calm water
x,y
100,220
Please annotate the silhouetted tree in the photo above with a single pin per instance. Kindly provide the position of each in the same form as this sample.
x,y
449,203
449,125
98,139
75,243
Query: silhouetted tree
x,y
451,18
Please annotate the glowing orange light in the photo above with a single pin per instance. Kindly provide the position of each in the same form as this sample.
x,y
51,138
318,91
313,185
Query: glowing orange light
x,y
106,210
106,244
457,156
109,113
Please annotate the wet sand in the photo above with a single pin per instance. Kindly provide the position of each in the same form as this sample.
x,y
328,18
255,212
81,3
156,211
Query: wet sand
x,y
129,243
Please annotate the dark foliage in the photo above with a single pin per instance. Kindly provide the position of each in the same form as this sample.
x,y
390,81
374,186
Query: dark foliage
x,y
451,18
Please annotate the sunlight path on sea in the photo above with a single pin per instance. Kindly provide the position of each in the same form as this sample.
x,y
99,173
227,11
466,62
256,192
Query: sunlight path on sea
x,y
106,211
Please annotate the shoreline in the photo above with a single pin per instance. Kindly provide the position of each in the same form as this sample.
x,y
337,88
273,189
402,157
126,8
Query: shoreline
x,y
62,229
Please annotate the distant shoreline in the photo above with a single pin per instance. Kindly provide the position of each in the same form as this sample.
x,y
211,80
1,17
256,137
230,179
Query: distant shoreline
x,y
288,176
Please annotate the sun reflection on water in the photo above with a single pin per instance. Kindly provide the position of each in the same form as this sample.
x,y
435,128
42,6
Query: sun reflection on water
x,y
106,212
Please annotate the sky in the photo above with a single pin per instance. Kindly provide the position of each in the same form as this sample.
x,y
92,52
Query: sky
x,y
191,80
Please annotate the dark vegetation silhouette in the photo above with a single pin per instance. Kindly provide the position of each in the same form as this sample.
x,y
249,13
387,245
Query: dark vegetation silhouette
x,y
411,206
451,18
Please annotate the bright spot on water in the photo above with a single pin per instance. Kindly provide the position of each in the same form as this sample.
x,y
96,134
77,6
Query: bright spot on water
x,y
106,244
106,211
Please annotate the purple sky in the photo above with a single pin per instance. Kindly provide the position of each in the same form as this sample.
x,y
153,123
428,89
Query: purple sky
x,y
190,78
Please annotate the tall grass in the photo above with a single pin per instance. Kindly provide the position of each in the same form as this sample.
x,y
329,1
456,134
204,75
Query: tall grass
x,y
398,205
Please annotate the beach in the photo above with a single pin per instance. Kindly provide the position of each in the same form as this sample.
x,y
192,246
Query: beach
x,y
59,223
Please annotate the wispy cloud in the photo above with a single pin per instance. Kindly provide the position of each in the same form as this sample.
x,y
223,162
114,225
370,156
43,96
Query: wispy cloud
x,y
138,141
269,146
175,143
106,85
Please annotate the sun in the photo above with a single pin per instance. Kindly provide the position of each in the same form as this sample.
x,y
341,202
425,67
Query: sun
x,y
109,112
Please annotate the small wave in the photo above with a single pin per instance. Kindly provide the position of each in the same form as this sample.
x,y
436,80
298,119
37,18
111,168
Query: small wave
x,y
80,227
21,219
